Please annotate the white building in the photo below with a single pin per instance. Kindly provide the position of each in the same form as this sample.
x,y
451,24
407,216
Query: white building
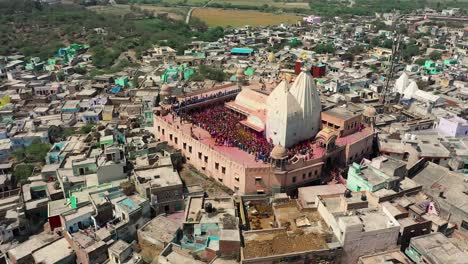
x,y
360,228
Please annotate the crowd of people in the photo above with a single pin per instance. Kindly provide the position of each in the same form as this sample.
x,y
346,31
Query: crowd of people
x,y
202,98
225,127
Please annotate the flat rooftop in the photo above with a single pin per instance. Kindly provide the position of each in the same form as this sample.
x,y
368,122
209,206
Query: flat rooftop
x,y
162,228
437,248
161,176
54,252
341,113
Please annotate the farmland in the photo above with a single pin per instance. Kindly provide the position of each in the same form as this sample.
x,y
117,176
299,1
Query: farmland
x,y
222,17
177,13
279,4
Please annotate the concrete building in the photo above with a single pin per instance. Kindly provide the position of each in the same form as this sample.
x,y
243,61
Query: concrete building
x,y
435,248
307,196
211,228
158,233
161,185
380,173
391,256
453,126
122,252
342,120
360,228
447,189
58,251
23,253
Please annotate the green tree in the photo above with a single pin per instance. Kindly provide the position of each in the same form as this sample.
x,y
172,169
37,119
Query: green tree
x,y
86,129
325,48
435,55
36,152
420,61
22,172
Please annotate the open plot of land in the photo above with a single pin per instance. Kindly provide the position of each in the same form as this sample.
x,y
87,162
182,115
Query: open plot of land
x,y
120,10
222,17
279,4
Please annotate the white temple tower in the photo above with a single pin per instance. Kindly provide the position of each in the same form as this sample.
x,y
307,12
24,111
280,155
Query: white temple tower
x,y
293,115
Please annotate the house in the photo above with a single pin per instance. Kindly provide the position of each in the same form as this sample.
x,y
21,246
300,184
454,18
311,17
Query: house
x,y
435,248
161,184
361,227
122,252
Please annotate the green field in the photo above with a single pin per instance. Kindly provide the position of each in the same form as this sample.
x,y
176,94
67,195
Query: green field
x,y
231,17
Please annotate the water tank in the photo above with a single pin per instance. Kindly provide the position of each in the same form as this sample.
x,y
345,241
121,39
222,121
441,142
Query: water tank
x,y
347,193
208,207
363,197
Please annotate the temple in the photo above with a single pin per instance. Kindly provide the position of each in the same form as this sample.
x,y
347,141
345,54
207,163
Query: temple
x,y
264,137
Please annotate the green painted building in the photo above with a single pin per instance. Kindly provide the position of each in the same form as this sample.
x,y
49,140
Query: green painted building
x,y
380,173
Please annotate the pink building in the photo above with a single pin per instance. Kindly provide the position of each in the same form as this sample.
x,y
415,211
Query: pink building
x,y
246,172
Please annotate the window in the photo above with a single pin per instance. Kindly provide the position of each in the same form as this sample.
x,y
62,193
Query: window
x,y
163,131
190,149
303,176
223,170
310,174
170,137
184,145
236,178
216,165
236,188
315,173
220,179
199,155
464,224
159,128
294,179
206,159
176,140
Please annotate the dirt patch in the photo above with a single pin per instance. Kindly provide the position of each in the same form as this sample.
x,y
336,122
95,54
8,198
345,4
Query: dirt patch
x,y
191,176
260,216
282,243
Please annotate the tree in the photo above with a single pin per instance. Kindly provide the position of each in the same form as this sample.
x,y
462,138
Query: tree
x,y
36,152
439,46
325,48
435,55
86,129
22,172
420,61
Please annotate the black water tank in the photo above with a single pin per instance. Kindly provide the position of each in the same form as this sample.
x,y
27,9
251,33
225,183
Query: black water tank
x,y
347,193
208,207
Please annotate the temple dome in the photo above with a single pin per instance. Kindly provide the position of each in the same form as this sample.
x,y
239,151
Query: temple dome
x,y
279,152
